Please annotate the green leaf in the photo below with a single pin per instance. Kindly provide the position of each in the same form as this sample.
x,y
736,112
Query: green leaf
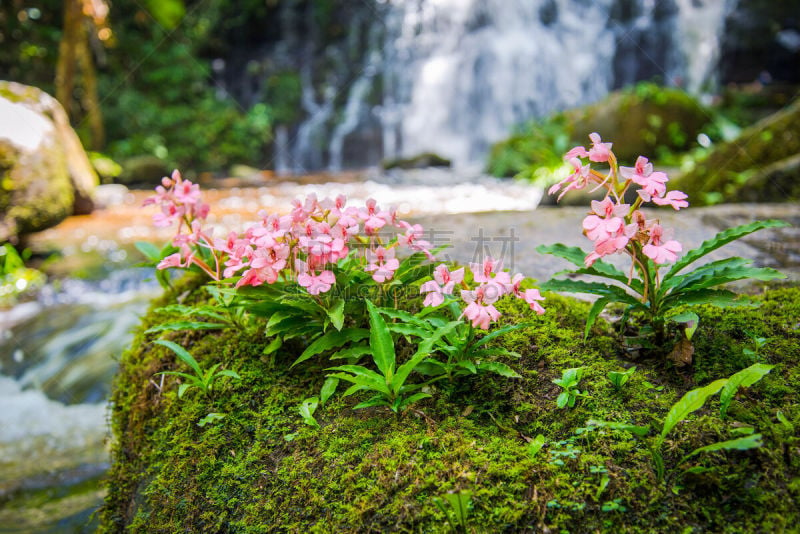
x,y
718,297
636,430
744,378
563,399
600,268
273,345
336,314
229,373
722,238
690,320
423,351
468,365
149,251
351,353
328,389
690,402
498,368
597,308
210,418
363,377
380,340
740,444
679,281
404,316
331,340
613,293
500,332
307,409
185,325
416,397
731,275
182,354
182,389
377,400
408,330
536,445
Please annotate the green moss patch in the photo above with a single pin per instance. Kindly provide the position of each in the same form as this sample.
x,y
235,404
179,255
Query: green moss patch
x,y
261,469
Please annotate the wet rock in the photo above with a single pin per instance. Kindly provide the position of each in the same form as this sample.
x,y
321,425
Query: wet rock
x,y
760,165
45,174
421,161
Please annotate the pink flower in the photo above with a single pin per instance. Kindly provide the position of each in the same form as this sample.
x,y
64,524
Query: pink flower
x,y
605,219
169,214
442,284
600,151
373,218
659,250
480,309
676,199
173,260
186,192
653,183
413,239
531,296
577,180
383,263
482,272
314,283
576,152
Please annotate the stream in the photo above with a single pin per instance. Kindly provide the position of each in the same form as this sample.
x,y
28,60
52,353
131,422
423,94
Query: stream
x,y
59,352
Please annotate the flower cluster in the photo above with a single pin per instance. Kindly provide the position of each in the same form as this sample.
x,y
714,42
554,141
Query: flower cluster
x,y
613,225
301,246
492,284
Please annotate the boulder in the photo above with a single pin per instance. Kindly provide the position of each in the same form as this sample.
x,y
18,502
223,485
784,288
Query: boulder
x,y
641,120
761,165
45,174
143,171
420,161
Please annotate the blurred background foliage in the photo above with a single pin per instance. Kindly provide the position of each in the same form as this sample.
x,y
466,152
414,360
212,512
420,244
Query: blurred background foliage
x,y
154,75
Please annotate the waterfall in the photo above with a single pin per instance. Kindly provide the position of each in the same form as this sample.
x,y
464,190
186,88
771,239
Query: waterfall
x,y
455,76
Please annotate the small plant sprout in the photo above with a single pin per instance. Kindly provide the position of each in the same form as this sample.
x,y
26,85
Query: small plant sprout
x,y
754,353
456,508
307,409
389,385
569,383
620,378
203,380
688,404
617,226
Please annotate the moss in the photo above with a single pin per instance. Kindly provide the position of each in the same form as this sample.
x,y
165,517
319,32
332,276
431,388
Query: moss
x,y
261,469
35,190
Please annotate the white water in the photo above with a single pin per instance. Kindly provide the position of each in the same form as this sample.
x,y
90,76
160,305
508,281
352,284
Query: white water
x,y
458,75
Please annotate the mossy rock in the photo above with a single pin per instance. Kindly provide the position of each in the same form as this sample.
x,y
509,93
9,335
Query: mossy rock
x,y
143,171
45,175
760,165
35,189
641,121
420,161
60,137
260,469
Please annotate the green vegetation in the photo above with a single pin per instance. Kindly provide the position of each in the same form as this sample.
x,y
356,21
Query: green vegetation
x,y
515,462
642,119
16,279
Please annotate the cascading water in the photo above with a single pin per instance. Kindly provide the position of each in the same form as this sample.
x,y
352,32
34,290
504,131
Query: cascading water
x,y
456,75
